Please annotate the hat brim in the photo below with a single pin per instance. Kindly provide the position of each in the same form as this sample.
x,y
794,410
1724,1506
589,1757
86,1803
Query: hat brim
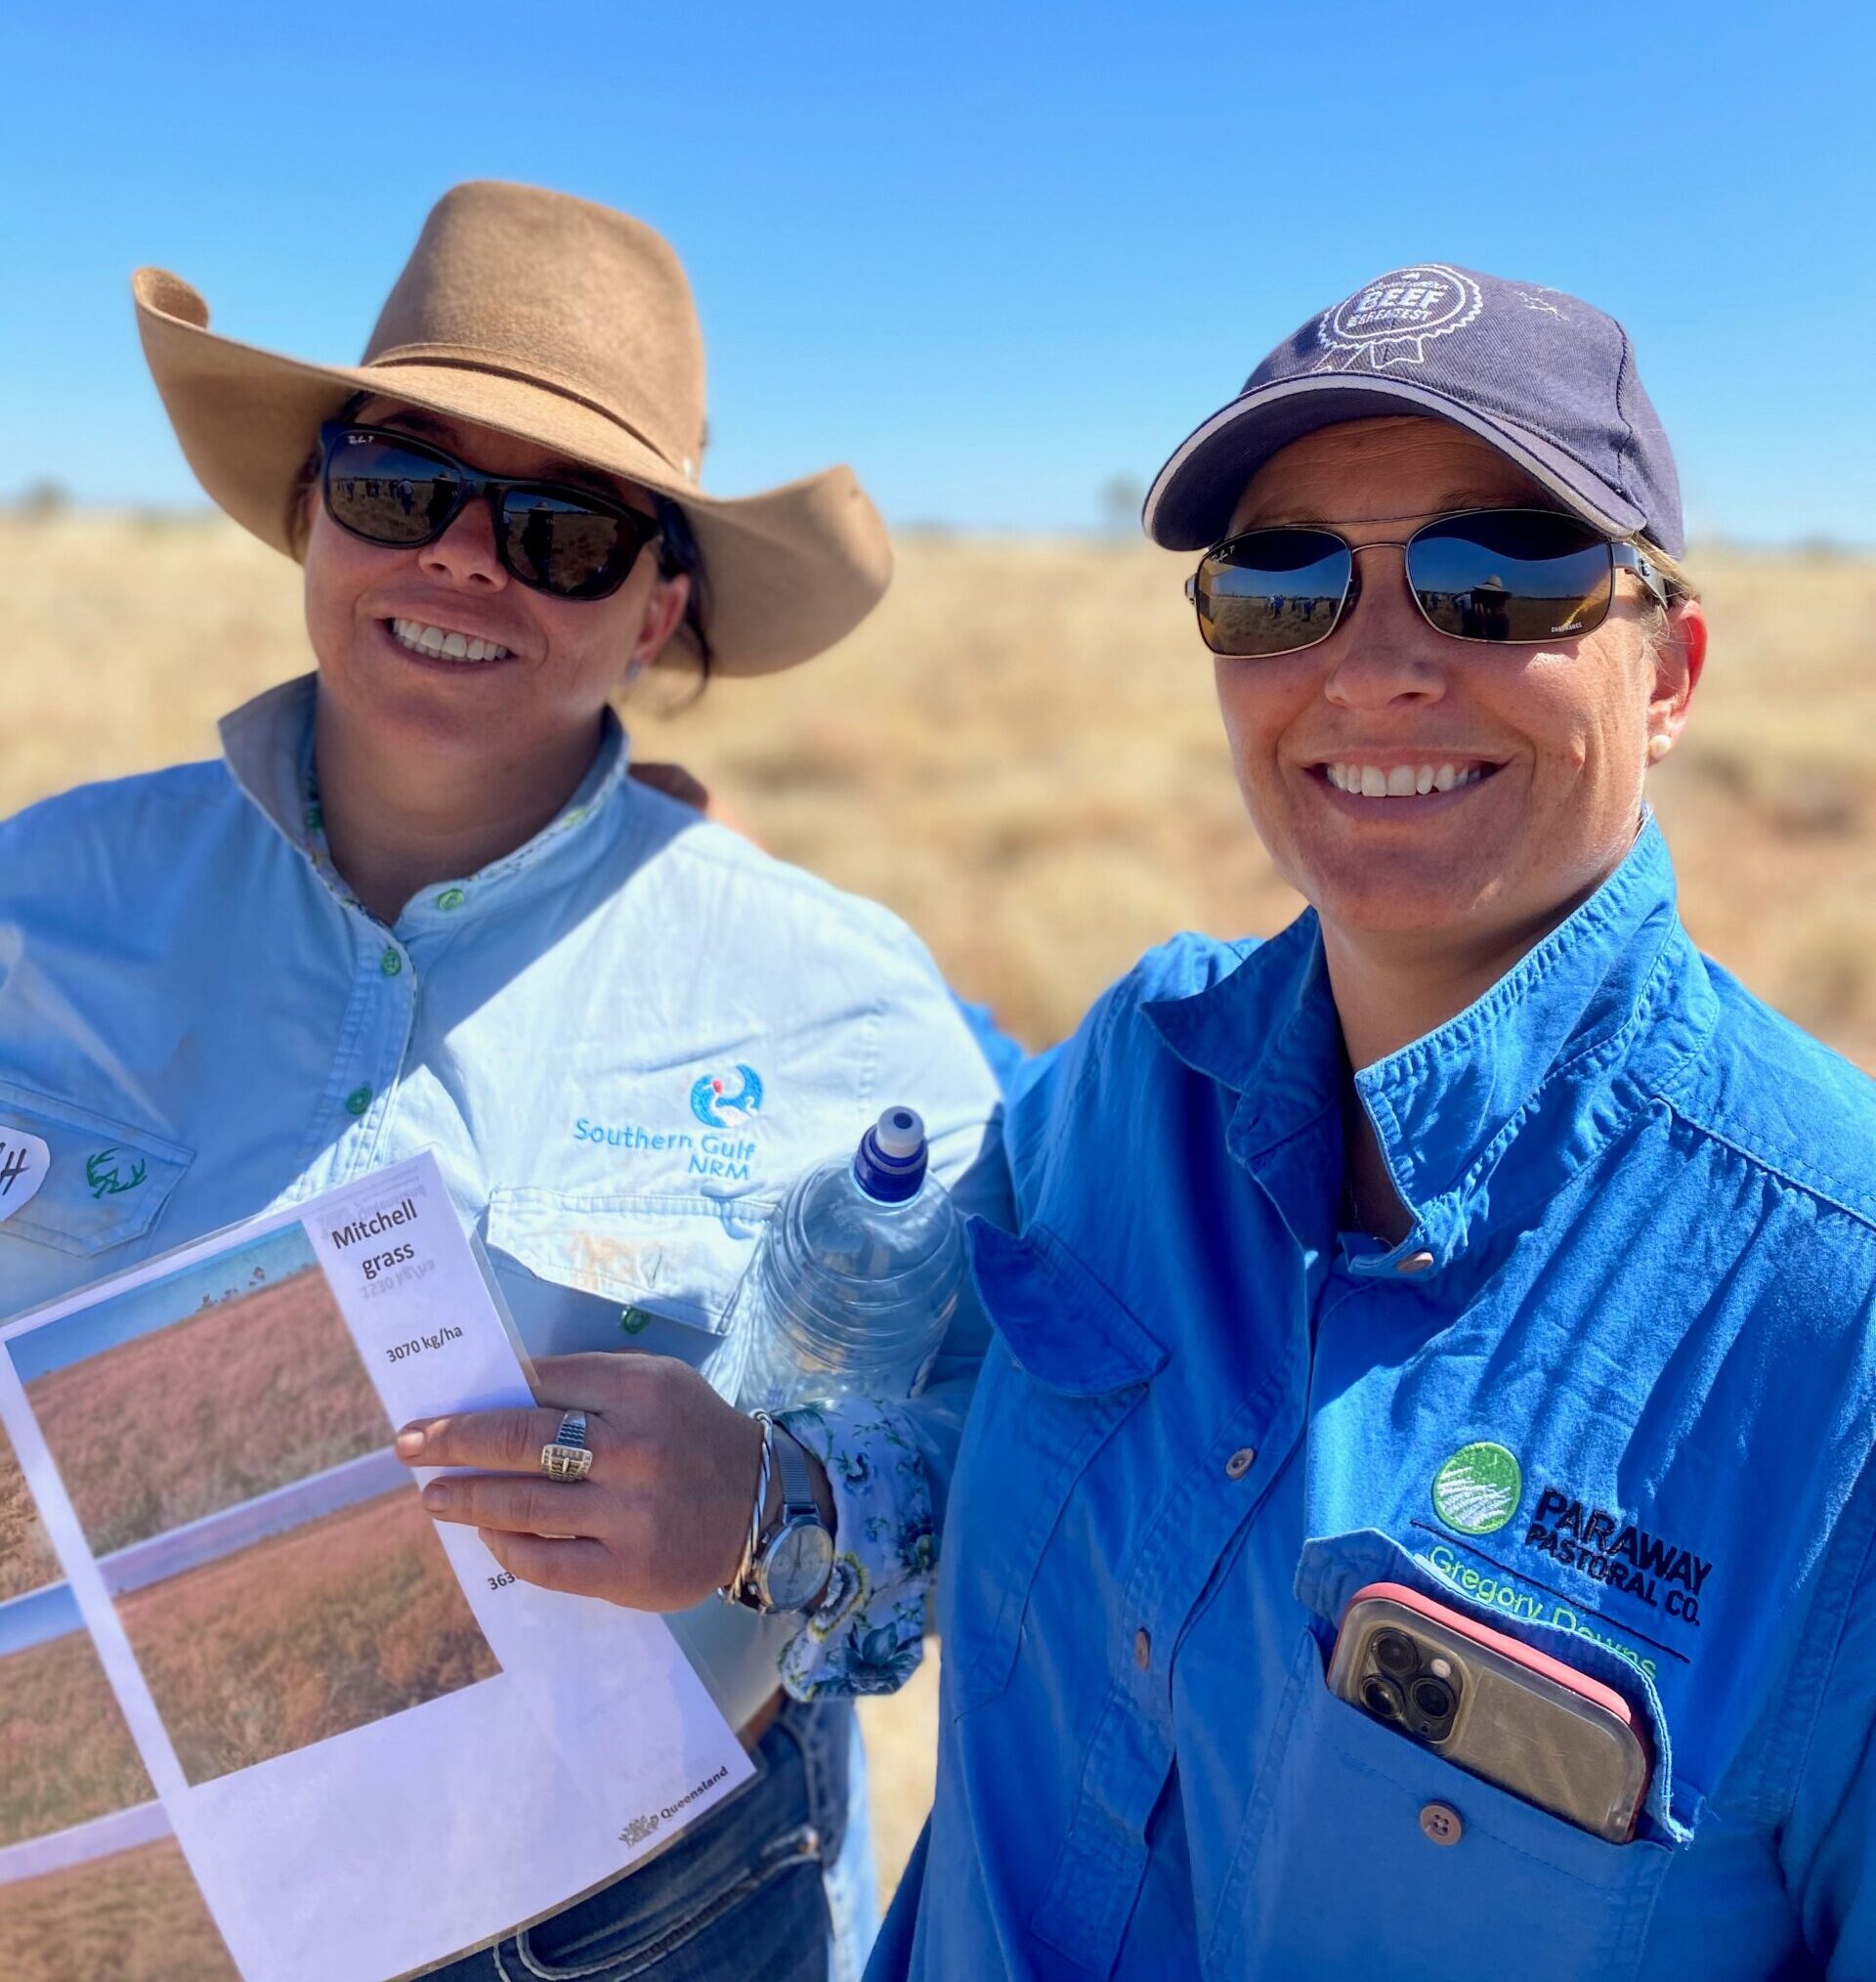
x,y
1191,502
789,571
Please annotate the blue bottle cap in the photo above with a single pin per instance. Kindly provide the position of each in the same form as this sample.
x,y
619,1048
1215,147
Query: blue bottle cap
x,y
889,1165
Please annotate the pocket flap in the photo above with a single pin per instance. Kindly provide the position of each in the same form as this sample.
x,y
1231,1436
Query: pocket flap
x,y
103,1182
1063,1326
1332,1569
678,1256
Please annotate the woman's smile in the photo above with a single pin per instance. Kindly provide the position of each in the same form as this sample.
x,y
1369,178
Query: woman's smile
x,y
1432,781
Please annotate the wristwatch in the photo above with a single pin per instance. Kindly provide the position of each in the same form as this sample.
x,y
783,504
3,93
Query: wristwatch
x,y
795,1552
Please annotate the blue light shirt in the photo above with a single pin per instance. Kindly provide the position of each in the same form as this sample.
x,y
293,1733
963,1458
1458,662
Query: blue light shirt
x,y
621,1041
1612,1394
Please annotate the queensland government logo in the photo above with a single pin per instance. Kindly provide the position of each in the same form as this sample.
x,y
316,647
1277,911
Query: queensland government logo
x,y
1477,1490
110,1172
719,1106
1393,321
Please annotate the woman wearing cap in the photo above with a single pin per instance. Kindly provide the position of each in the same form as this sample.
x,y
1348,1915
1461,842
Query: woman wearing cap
x,y
420,904
1476,1234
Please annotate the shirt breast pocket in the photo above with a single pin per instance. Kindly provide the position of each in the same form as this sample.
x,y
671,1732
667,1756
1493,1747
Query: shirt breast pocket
x,y
96,1183
1366,1852
1077,1363
599,1270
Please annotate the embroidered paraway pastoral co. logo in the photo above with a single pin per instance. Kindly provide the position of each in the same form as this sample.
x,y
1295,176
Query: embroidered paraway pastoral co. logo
x,y
720,1104
1393,321
110,1172
1477,1490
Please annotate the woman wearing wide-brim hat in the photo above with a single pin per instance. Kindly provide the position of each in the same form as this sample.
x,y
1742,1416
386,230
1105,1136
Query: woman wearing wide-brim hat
x,y
419,903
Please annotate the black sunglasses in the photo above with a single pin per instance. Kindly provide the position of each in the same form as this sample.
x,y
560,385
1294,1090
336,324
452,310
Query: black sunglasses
x,y
390,489
1508,577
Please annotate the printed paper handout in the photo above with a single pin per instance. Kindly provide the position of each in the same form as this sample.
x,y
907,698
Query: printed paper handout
x,y
261,1717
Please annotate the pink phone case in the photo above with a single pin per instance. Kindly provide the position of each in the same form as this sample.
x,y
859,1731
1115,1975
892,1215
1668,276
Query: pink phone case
x,y
1524,1720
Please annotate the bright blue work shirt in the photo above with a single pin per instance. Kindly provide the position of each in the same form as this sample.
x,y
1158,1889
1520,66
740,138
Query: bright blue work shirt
x,y
1641,1270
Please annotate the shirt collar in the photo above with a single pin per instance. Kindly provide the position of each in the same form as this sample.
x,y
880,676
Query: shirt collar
x,y
1484,1115
268,744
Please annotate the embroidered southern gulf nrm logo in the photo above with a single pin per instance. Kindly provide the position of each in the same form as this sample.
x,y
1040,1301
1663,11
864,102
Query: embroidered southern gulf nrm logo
x,y
1477,1490
720,1103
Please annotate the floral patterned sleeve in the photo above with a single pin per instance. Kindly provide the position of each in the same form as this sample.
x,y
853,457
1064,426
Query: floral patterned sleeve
x,y
867,1636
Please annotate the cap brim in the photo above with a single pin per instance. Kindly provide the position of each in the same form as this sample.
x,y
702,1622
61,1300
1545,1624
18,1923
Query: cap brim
x,y
1191,502
789,571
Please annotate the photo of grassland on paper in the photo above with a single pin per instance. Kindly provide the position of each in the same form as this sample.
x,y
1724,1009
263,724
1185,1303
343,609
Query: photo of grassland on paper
x,y
134,1915
329,1627
65,1755
231,1465
218,1383
26,1560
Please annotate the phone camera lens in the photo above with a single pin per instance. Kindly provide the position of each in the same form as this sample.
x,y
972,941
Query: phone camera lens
x,y
1434,1699
1382,1696
1395,1654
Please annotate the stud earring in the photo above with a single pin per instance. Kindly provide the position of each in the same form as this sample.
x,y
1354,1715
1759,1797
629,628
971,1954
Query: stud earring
x,y
1658,748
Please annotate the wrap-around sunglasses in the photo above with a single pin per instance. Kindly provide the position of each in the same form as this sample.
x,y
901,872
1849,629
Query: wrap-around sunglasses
x,y
1506,577
392,489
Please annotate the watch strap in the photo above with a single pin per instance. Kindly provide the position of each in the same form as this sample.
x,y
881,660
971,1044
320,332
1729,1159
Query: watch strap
x,y
798,1481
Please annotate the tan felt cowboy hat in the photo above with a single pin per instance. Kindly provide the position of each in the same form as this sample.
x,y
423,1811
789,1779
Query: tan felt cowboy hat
x,y
559,323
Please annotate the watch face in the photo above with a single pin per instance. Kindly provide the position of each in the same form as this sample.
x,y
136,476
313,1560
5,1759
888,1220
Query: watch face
x,y
797,1564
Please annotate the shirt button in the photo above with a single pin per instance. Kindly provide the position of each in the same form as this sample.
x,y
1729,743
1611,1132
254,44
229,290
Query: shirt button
x,y
1414,1263
1142,1649
391,963
1241,1461
451,898
357,1100
1441,1822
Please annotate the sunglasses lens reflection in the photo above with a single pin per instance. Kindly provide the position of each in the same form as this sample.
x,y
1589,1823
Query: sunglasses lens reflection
x,y
561,547
1271,591
1513,575
387,494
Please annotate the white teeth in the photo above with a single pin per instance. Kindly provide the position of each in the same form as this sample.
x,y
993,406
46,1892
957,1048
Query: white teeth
x,y
1401,781
436,641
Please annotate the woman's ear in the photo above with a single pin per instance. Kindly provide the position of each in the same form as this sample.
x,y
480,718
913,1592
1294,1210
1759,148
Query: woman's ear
x,y
1680,653
663,615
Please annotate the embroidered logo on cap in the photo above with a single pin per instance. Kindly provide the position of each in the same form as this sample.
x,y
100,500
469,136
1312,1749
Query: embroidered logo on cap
x,y
1477,1490
1391,320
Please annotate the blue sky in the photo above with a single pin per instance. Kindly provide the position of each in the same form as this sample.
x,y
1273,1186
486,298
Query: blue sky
x,y
37,1616
36,1352
995,255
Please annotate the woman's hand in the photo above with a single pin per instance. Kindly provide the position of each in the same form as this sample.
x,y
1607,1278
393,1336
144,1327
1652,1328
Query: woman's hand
x,y
657,1523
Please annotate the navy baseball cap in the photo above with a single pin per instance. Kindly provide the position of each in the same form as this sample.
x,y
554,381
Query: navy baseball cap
x,y
1545,380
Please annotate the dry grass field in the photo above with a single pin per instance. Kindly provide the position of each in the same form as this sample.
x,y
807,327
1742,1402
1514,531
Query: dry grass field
x,y
26,1560
231,1401
66,1755
135,1916
320,1630
1020,753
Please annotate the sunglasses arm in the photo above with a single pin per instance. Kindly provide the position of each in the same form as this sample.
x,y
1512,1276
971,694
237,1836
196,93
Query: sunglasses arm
x,y
1631,557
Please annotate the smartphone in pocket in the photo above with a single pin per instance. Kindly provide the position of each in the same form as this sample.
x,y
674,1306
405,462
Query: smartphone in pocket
x,y
1494,1707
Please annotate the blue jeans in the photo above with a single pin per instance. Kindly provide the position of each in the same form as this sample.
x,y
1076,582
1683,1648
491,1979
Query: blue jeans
x,y
751,1893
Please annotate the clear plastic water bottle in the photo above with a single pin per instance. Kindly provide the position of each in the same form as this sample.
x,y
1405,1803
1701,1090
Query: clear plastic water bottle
x,y
855,1278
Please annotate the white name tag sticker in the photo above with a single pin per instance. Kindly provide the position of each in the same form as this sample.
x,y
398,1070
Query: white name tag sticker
x,y
23,1162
